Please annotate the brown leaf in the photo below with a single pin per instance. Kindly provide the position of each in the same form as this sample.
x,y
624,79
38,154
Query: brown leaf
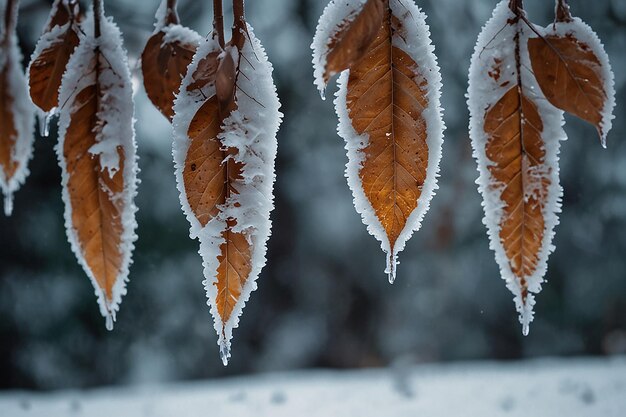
x,y
164,64
47,67
96,213
516,151
386,98
8,131
353,40
570,76
235,265
97,155
211,174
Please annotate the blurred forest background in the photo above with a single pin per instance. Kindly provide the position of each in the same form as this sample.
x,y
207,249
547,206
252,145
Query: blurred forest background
x,y
323,299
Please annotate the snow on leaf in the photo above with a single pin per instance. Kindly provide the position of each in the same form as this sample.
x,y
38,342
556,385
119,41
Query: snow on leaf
x,y
97,154
389,112
515,135
573,70
50,58
225,125
16,111
165,58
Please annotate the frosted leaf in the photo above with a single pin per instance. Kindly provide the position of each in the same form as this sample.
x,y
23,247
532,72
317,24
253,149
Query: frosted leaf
x,y
250,130
493,72
114,137
19,112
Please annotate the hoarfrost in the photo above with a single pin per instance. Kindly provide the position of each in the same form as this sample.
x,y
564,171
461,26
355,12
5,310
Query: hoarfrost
x,y
115,116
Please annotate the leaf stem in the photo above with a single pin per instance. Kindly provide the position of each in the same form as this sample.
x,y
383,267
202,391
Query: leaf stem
x,y
516,5
10,19
562,12
218,21
239,23
171,14
97,13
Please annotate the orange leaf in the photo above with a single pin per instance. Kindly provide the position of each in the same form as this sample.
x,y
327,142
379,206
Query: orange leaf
x,y
573,71
96,152
515,148
388,107
515,135
165,59
16,111
52,53
354,38
225,124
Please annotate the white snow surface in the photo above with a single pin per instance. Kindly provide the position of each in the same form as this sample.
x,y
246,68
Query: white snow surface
x,y
22,112
537,388
116,112
416,43
585,34
496,42
335,14
251,129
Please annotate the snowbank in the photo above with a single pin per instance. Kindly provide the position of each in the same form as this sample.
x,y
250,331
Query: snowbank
x,y
573,388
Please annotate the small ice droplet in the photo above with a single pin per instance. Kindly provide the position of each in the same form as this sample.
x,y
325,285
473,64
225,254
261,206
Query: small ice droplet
x,y
603,142
526,329
44,122
8,203
109,322
224,353
323,94
391,269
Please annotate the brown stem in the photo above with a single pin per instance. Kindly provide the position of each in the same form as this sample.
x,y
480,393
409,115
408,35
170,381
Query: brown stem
x,y
97,13
562,12
218,21
516,5
171,15
10,18
239,23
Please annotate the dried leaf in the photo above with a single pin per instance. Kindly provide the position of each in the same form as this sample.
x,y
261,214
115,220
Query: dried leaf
x,y
518,167
574,73
515,135
354,37
389,112
16,112
97,154
165,58
52,53
225,124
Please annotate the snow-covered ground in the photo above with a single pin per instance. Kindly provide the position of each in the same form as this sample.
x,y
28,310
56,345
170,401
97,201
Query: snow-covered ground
x,y
550,388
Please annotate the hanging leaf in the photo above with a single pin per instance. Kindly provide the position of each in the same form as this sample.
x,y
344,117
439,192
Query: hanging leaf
x,y
50,58
225,124
389,111
573,70
16,111
515,135
165,58
97,154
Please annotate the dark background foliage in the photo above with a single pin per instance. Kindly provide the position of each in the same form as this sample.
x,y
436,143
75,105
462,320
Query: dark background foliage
x,y
323,299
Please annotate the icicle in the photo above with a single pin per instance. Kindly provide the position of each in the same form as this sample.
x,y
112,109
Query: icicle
x,y
391,268
109,322
44,122
8,203
224,353
526,329
323,93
